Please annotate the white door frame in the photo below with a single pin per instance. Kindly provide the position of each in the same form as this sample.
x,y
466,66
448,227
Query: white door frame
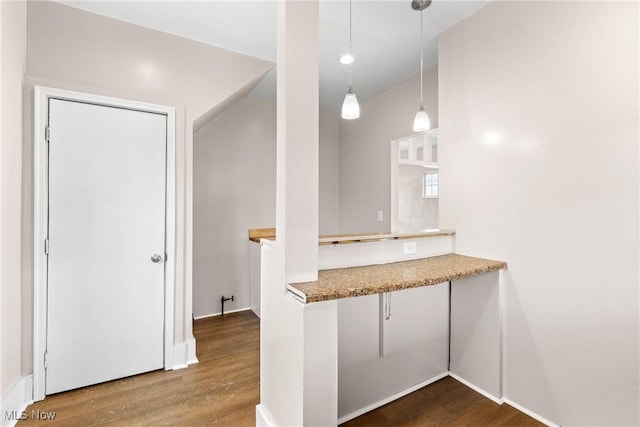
x,y
40,194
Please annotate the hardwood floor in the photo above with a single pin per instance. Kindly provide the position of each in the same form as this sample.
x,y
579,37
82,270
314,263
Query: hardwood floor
x,y
446,402
223,390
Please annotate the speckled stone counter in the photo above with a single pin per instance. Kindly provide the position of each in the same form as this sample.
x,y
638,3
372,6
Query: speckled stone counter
x,y
375,279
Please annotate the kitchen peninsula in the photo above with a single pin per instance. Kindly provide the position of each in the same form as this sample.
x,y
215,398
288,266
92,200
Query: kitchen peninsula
x,y
407,311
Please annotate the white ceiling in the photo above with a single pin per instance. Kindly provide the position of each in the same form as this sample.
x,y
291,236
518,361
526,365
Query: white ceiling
x,y
386,36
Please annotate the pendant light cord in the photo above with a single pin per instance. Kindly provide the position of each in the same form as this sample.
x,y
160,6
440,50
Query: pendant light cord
x,y
421,58
350,23
350,65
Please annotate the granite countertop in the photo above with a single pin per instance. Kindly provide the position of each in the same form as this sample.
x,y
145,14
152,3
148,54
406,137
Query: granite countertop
x,y
255,234
375,279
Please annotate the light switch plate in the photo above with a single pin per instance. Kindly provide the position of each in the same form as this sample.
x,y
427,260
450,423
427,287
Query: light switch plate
x,y
380,215
409,248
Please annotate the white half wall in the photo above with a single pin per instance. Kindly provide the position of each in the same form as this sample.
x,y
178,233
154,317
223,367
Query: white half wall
x,y
539,161
235,190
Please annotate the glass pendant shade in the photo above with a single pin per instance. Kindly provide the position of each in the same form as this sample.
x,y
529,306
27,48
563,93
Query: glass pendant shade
x,y
346,59
421,122
351,108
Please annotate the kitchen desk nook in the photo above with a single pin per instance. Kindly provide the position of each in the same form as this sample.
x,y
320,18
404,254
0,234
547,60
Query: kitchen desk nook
x,y
325,362
407,311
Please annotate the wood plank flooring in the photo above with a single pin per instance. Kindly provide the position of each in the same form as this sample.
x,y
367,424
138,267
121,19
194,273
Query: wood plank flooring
x,y
224,388
446,402
221,390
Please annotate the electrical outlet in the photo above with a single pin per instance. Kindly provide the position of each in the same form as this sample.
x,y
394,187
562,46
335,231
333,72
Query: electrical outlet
x,y
380,215
409,248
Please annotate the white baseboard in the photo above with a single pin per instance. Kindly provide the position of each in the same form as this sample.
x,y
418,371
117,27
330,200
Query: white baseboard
x,y
16,401
256,311
382,402
191,352
530,413
184,354
263,417
204,316
504,400
474,387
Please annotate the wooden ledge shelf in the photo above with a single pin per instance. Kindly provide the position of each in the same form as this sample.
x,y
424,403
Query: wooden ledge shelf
x,y
255,234
395,276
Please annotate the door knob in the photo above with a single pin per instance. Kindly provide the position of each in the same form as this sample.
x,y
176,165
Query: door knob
x,y
156,258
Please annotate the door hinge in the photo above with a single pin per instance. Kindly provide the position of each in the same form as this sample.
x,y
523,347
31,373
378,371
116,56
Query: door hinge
x,y
46,246
46,359
47,133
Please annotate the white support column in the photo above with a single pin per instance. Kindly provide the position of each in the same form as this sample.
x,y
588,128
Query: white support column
x,y
298,342
297,138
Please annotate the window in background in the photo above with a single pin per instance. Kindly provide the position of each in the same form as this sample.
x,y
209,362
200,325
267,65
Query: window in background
x,y
430,184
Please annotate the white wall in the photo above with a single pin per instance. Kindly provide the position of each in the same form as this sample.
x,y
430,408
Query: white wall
x,y
329,174
365,164
12,67
539,167
235,189
415,339
72,49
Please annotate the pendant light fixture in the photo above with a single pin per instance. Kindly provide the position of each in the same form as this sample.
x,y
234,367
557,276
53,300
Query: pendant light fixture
x,y
421,122
350,106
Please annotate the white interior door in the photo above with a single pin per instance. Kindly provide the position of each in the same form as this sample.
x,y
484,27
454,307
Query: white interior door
x,y
105,295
